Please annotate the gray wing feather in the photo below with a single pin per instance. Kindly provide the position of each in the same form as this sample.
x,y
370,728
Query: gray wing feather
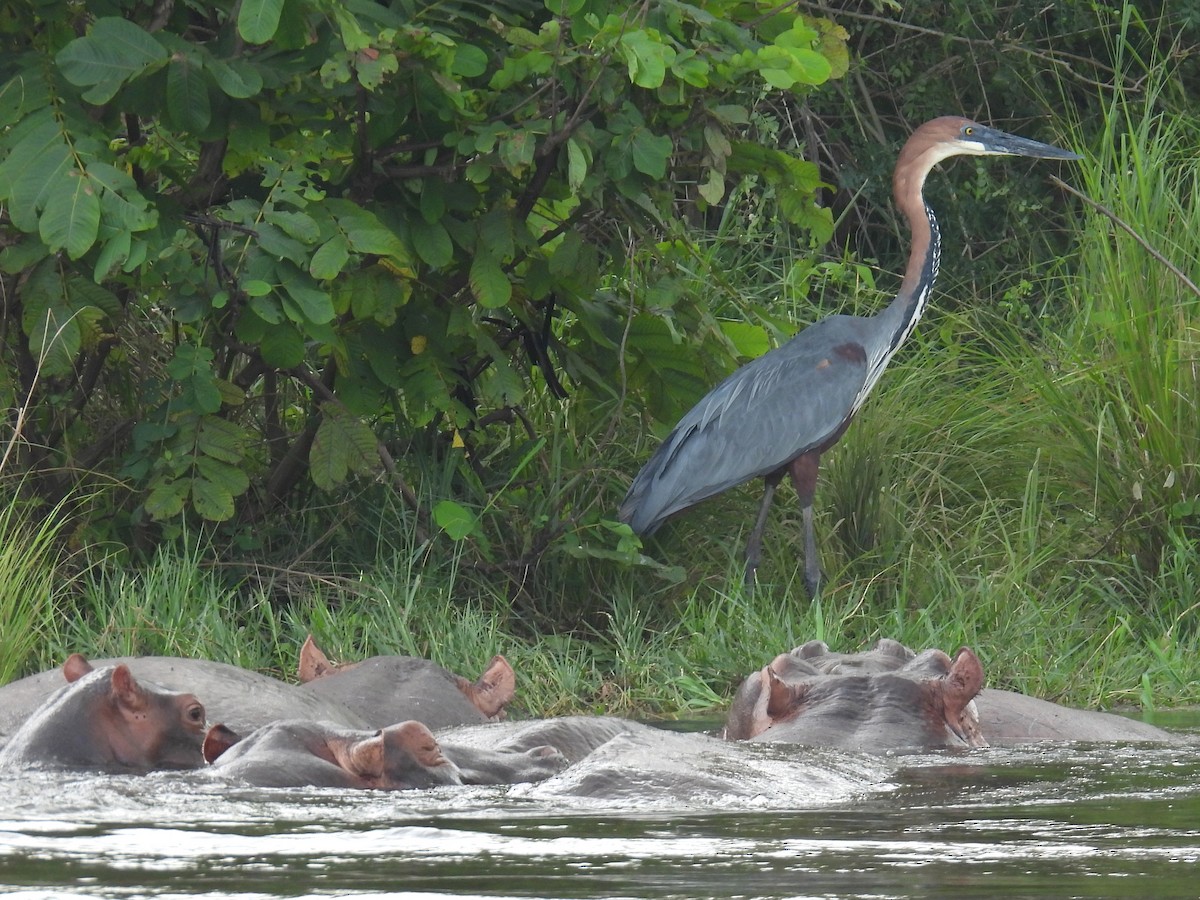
x,y
761,417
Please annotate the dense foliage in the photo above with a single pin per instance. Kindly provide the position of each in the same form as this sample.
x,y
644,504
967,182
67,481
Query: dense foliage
x,y
255,249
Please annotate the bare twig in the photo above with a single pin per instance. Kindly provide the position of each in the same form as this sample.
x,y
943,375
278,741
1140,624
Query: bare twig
x,y
1124,226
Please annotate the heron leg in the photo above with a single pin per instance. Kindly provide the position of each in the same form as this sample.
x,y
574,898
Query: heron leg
x,y
754,544
803,470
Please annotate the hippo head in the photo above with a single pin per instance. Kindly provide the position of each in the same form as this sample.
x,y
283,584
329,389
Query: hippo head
x,y
885,700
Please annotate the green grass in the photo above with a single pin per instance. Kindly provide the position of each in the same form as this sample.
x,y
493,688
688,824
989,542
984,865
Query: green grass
x,y
30,549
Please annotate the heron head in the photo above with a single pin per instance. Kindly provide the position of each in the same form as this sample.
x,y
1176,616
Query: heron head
x,y
949,136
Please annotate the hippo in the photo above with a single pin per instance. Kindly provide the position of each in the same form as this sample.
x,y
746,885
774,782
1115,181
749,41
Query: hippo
x,y
386,689
891,698
887,699
294,753
105,719
401,756
242,699
368,695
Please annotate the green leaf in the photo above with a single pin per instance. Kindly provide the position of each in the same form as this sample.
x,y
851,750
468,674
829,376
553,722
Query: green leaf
x,y
114,254
229,477
37,164
712,189
330,258
650,153
220,439
489,284
236,78
468,61
455,519
282,347
165,500
579,158
187,96
516,151
71,219
298,225
112,53
313,303
647,58
258,20
121,203
433,244
343,443
212,501
751,341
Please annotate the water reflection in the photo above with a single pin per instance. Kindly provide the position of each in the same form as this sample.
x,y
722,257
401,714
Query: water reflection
x,y
1039,822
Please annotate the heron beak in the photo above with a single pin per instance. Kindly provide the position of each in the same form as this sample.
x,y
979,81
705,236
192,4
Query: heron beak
x,y
1003,143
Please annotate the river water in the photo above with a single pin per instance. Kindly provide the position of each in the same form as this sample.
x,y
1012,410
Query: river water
x,y
1038,822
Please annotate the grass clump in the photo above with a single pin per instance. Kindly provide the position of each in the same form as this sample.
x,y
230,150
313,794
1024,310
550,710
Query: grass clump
x,y
30,582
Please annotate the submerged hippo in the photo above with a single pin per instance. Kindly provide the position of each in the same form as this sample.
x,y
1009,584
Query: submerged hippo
x,y
614,760
883,700
399,757
386,689
105,719
890,698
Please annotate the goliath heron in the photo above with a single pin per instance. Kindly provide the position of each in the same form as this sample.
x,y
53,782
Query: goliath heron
x,y
780,412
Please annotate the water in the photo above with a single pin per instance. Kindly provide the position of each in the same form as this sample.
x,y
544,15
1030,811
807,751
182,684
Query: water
x,y
1082,821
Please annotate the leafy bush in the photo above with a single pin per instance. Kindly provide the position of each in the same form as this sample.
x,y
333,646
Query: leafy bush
x,y
256,252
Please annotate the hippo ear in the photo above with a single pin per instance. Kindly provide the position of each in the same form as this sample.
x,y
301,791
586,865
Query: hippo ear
x,y
895,649
129,695
75,667
959,687
363,758
313,663
784,699
963,682
219,739
748,712
417,741
811,650
494,689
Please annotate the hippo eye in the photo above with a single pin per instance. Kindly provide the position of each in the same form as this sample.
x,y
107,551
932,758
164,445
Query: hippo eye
x,y
195,714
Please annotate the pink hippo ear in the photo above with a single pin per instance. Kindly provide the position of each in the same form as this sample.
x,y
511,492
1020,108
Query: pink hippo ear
x,y
965,679
959,687
313,663
128,694
217,740
75,667
748,712
415,739
784,700
494,690
363,758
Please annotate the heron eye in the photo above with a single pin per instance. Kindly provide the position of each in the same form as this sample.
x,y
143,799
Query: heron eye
x,y
968,131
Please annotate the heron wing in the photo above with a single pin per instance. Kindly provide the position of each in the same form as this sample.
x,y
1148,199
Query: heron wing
x,y
788,401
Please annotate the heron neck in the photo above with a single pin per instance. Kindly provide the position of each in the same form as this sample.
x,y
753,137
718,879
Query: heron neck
x,y
902,314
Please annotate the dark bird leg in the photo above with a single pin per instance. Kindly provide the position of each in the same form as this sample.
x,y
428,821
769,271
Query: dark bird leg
x,y
804,478
754,544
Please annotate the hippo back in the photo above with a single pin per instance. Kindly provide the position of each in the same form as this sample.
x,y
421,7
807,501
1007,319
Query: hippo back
x,y
384,690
